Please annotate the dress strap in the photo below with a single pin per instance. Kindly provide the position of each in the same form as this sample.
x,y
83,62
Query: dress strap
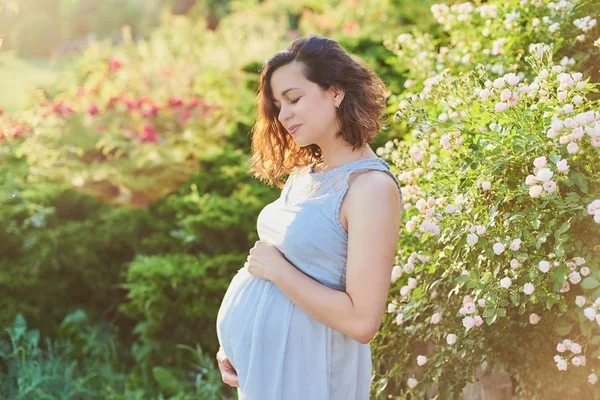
x,y
373,164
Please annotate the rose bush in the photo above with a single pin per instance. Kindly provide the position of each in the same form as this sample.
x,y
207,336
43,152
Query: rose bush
x,y
498,263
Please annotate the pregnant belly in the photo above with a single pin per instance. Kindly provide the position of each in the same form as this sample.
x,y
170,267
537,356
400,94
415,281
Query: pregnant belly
x,y
254,313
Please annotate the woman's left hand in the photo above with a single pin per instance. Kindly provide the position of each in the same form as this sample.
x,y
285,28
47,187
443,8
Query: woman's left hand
x,y
264,261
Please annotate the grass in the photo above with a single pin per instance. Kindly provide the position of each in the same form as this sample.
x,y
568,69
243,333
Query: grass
x,y
18,77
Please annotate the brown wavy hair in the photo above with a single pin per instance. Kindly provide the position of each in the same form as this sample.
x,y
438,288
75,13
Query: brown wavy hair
x,y
361,114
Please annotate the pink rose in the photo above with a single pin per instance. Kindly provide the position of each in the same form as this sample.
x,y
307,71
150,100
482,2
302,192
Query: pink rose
x,y
534,319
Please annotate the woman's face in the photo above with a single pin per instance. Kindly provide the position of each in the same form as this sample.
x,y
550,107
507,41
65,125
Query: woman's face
x,y
302,102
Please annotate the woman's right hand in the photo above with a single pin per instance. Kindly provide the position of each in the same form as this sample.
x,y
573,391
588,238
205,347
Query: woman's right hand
x,y
228,373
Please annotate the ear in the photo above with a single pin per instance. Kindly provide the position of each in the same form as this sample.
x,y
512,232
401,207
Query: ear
x,y
337,95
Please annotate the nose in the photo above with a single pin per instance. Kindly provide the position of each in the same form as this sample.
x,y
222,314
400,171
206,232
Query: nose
x,y
284,114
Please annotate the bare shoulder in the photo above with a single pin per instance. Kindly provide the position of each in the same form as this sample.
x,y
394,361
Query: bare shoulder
x,y
370,191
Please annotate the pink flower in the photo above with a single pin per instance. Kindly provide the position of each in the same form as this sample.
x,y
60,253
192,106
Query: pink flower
x,y
63,110
534,319
572,148
540,162
549,186
436,318
574,277
399,319
175,101
150,112
593,206
469,308
148,135
515,245
114,64
535,191
530,180
585,271
562,165
468,322
93,110
501,107
478,320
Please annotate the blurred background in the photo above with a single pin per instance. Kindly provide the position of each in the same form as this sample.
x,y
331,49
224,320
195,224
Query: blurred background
x,y
126,199
127,204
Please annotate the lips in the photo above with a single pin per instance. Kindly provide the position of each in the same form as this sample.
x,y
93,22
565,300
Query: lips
x,y
292,129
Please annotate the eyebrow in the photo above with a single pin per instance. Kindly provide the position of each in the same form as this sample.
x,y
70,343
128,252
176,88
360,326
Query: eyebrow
x,y
284,93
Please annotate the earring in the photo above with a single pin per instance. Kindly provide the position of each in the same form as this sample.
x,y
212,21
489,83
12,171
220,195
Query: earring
x,y
337,105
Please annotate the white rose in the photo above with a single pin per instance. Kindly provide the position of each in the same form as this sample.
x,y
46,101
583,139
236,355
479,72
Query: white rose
x,y
515,245
528,288
412,382
468,322
544,174
590,313
451,339
498,248
535,191
544,266
472,239
574,277
505,283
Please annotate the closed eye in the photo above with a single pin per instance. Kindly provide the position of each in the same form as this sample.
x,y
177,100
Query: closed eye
x,y
291,102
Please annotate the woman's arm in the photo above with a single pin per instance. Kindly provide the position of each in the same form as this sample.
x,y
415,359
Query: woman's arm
x,y
373,215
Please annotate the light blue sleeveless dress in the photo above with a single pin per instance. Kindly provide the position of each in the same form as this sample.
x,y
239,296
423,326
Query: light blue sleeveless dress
x,y
278,351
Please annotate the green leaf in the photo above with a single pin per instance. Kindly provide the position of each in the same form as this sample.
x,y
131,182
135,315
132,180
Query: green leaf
x,y
489,312
580,181
590,283
563,228
585,328
502,312
487,277
166,380
563,328
515,298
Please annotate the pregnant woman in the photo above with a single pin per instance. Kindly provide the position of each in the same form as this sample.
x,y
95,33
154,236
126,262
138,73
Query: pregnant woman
x,y
297,319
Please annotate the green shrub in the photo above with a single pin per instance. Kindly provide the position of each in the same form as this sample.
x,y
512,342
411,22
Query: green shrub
x,y
500,175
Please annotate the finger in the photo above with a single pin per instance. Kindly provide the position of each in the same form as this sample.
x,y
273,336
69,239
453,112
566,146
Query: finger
x,y
231,380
